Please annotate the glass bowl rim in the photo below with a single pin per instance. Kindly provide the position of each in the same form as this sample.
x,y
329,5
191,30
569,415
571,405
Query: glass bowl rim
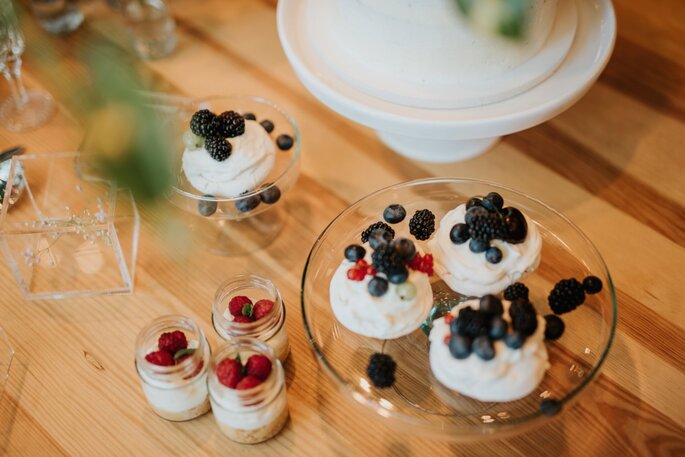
x,y
417,424
291,166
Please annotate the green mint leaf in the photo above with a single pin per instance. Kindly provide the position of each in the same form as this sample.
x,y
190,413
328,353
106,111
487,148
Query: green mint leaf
x,y
247,309
183,352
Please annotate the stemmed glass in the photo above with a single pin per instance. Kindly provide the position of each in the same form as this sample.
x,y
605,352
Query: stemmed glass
x,y
24,110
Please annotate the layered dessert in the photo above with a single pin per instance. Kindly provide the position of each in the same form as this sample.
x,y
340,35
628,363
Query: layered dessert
x,y
482,246
226,155
248,396
382,288
174,376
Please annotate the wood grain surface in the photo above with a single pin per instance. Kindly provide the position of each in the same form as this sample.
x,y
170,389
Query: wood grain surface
x,y
613,163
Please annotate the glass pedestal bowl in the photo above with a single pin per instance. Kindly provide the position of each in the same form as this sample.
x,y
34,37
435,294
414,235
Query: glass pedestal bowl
x,y
219,221
417,402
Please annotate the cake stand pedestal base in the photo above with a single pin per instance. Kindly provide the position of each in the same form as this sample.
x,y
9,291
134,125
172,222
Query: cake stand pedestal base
x,y
437,151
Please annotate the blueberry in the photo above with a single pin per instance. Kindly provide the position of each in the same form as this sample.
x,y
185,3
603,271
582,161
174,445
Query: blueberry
x,y
550,407
478,245
493,201
268,125
482,347
460,346
498,328
377,238
284,142
247,203
554,327
207,207
592,284
394,214
517,227
473,212
475,201
249,116
404,248
514,340
526,322
491,305
271,194
354,252
493,254
398,276
459,234
378,286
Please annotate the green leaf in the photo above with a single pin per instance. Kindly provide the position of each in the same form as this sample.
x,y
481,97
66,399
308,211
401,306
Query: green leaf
x,y
247,309
183,352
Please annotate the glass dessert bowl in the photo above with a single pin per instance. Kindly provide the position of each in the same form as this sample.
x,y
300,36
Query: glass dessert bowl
x,y
417,401
235,173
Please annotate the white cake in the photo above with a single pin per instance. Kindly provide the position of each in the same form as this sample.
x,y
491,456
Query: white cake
x,y
425,53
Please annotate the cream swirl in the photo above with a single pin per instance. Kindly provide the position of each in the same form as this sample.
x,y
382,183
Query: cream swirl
x,y
471,274
511,375
251,160
386,317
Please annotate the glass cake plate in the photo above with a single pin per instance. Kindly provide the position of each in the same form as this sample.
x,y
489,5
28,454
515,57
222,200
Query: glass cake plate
x,y
417,402
217,219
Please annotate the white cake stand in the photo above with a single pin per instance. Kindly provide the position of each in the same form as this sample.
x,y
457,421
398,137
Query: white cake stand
x,y
445,135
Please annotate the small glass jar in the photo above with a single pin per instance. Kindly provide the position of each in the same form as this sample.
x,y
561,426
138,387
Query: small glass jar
x,y
177,392
270,329
253,415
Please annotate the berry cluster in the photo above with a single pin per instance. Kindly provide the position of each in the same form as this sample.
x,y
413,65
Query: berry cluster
x,y
474,331
568,294
234,375
215,129
486,220
381,370
172,349
244,311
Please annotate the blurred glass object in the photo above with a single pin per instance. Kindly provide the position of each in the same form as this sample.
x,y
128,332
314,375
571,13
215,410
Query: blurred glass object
x,y
153,30
57,16
23,110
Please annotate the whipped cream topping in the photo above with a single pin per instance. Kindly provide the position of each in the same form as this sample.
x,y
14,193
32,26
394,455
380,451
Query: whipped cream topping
x,y
385,317
511,375
252,157
175,395
469,273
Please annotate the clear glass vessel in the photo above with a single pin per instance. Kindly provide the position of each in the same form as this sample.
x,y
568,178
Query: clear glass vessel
x,y
177,392
253,415
270,329
417,402
152,28
57,16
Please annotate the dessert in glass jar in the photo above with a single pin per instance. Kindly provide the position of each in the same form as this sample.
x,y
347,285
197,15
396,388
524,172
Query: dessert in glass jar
x,y
247,391
172,359
251,306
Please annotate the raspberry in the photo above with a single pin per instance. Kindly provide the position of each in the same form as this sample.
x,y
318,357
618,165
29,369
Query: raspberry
x,y
172,342
242,319
161,358
422,263
381,370
356,274
567,295
258,366
422,224
230,124
516,290
262,308
248,382
235,306
229,372
388,232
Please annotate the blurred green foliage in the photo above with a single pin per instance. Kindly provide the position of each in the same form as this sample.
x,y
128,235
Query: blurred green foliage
x,y
507,18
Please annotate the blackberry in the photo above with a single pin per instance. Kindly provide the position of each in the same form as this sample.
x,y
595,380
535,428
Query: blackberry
x,y
386,260
381,370
490,305
354,252
203,123
486,227
268,125
248,203
230,124
525,323
521,306
471,214
516,290
218,148
405,248
389,235
284,142
554,327
567,295
469,323
422,224
394,214
592,285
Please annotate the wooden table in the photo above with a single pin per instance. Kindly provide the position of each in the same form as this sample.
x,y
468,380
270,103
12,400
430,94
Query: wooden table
x,y
614,164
